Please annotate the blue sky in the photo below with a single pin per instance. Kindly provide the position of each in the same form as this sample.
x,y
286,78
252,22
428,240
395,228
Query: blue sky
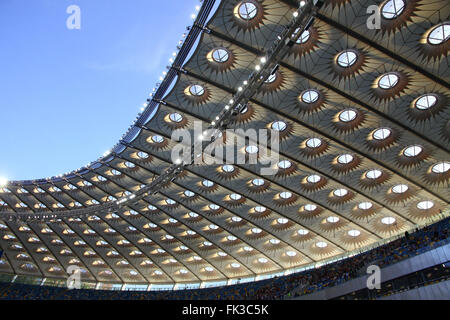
x,y
67,96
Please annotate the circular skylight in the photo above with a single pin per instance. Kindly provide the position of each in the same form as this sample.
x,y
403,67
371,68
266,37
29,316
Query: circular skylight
x,y
196,90
129,164
346,58
388,220
172,220
412,151
304,36
207,183
213,206
236,219
425,205
209,269
354,233
189,193
441,167
106,272
347,115
257,182
213,227
310,207
310,96
247,10
373,174
381,133
207,243
170,201
282,220
388,80
392,9
340,192
313,178
345,158
285,195
157,139
426,102
262,260
332,219
321,244
220,55
284,164
260,209
231,238
193,214
222,254
291,253
175,117
313,142
274,241
251,149
256,230
439,34
228,168
145,240
235,196
302,232
235,265
400,188
271,78
131,228
365,205
116,172
100,178
152,225
279,126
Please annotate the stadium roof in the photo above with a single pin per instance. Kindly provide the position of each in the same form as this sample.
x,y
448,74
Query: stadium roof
x,y
363,120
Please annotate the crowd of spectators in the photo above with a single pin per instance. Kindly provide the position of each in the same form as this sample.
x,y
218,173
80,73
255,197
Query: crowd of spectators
x,y
277,288
339,272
